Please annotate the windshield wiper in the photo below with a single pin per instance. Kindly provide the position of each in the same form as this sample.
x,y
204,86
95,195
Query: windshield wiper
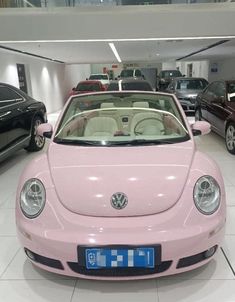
x,y
77,142
136,142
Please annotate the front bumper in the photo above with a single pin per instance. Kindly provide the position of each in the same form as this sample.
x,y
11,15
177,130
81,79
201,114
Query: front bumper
x,y
180,235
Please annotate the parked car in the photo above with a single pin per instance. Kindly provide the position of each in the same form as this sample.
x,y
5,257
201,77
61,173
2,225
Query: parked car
x,y
122,191
216,104
102,77
20,115
87,86
130,84
186,90
165,77
131,73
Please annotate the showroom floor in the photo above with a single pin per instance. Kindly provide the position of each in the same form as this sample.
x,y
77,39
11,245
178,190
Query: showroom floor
x,y
20,281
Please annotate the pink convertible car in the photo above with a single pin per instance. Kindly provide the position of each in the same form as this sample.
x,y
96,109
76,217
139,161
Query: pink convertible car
x,y
122,192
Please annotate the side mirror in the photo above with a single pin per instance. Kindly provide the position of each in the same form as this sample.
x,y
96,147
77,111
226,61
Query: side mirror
x,y
74,88
86,79
45,130
200,128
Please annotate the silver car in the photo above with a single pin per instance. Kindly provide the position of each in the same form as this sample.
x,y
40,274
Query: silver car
x,y
186,90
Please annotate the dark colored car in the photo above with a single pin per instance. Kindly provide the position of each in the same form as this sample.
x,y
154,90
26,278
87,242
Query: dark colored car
x,y
165,77
186,90
131,73
130,84
216,104
20,115
87,86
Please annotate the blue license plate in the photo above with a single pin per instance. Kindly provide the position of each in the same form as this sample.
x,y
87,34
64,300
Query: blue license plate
x,y
97,258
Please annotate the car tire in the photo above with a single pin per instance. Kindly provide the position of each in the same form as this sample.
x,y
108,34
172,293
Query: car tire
x,y
198,115
36,142
230,138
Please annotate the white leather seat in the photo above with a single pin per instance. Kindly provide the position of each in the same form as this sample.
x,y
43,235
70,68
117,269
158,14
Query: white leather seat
x,y
107,105
147,123
141,104
101,126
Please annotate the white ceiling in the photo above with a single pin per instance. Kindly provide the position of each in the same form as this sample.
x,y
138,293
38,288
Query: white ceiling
x,y
153,34
138,51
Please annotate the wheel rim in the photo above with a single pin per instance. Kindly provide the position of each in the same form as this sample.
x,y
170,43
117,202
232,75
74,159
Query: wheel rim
x,y
39,140
230,138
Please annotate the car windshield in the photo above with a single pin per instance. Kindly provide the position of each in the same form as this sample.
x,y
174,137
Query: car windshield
x,y
127,73
98,77
136,85
88,87
115,119
194,84
170,74
231,92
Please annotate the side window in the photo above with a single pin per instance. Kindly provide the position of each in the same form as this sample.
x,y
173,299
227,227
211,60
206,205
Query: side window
x,y
231,92
8,96
210,91
138,73
220,89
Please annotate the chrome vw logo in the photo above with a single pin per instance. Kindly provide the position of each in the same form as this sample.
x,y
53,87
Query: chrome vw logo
x,y
119,200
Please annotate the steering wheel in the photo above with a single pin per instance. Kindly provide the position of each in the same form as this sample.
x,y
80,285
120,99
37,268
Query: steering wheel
x,y
138,124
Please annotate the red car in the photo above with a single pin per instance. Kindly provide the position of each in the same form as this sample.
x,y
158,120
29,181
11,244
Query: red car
x,y
87,86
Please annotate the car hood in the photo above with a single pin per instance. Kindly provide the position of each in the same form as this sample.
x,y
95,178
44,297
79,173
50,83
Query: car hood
x,y
189,93
152,177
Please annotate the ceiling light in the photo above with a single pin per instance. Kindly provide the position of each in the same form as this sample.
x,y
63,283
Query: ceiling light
x,y
112,46
157,54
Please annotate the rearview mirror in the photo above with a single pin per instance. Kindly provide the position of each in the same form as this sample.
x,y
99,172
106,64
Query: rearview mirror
x,y
200,128
45,130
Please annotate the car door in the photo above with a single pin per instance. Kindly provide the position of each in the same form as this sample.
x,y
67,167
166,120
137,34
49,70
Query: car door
x,y
218,110
4,113
13,115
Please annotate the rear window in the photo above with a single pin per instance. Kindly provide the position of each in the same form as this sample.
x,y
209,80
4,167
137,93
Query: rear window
x,y
98,77
170,74
198,84
88,87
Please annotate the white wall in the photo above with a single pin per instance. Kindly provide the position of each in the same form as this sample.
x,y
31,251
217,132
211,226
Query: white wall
x,y
225,69
200,68
74,74
47,81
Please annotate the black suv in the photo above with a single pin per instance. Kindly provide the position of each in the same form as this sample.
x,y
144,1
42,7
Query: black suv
x,y
165,77
20,116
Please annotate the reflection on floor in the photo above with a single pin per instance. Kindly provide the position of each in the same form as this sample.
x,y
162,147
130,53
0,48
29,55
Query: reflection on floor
x,y
22,282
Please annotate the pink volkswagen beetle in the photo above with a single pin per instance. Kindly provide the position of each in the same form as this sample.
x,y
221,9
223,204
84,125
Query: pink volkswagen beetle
x,y
122,192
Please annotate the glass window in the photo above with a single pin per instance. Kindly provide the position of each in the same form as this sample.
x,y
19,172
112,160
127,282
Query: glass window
x,y
98,77
144,86
231,92
138,73
191,84
8,96
121,119
88,87
170,74
113,87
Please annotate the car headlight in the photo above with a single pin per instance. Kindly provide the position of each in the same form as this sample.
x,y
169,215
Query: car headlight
x,y
206,195
32,198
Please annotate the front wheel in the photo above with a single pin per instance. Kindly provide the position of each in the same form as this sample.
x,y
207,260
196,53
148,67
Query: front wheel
x,y
198,115
230,138
36,142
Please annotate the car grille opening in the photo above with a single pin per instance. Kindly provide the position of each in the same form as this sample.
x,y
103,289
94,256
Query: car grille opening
x,y
44,260
194,259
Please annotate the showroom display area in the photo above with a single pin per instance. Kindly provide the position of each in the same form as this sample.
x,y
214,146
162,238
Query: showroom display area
x,y
21,281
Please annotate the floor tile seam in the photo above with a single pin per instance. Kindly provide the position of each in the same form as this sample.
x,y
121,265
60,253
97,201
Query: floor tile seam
x,y
10,262
72,295
226,258
157,294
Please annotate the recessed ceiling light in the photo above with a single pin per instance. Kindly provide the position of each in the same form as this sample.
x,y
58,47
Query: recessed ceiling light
x,y
157,54
112,46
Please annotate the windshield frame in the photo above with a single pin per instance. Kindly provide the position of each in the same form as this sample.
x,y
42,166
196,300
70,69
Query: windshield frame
x,y
183,121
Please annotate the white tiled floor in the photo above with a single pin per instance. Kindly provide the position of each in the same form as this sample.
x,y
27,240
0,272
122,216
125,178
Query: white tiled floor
x,y
20,281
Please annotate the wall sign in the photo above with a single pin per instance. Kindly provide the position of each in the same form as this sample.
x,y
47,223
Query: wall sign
x,y
22,77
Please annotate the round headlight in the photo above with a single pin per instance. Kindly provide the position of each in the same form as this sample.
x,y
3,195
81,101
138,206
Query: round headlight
x,y
206,195
32,198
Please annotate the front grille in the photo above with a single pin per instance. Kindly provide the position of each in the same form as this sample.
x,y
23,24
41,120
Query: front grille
x,y
44,260
120,272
